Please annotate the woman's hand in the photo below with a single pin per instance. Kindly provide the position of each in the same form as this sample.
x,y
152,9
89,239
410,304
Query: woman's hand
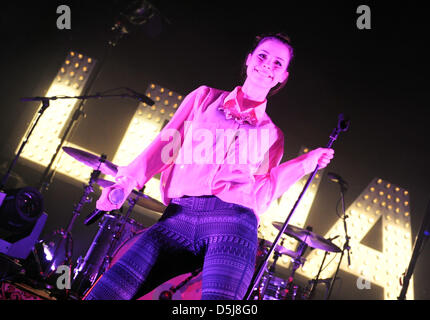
x,y
126,184
319,156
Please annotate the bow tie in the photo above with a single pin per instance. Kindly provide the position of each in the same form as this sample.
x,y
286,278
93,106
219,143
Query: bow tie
x,y
231,112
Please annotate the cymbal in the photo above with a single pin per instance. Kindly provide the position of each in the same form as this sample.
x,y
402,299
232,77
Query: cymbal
x,y
310,238
92,160
280,249
143,200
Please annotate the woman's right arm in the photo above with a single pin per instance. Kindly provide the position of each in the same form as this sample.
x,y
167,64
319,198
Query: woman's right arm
x,y
150,161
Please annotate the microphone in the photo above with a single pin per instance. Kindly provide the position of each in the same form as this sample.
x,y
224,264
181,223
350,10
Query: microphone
x,y
116,196
141,97
337,178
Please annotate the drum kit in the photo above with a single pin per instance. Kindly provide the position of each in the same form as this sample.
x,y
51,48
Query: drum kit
x,y
276,288
114,228
117,232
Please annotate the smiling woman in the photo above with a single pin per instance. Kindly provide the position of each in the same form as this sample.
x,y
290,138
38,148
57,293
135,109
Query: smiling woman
x,y
213,207
259,59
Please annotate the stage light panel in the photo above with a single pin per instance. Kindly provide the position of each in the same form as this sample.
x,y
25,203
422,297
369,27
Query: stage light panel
x,y
69,81
145,125
384,268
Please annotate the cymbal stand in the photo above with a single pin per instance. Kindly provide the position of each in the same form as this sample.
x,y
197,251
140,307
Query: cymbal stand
x,y
66,235
314,282
342,125
297,262
346,246
270,273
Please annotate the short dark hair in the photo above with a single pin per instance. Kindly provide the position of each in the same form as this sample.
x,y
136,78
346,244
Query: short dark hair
x,y
283,38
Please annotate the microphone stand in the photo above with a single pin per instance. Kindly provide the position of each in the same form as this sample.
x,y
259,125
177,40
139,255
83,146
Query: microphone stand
x,y
346,243
342,125
418,245
45,105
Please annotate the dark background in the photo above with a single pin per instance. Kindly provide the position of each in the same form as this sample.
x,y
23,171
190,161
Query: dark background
x,y
375,76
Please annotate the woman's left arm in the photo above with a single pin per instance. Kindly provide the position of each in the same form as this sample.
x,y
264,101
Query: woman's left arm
x,y
280,177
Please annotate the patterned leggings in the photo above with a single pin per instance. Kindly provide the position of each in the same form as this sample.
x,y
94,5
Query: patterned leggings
x,y
193,232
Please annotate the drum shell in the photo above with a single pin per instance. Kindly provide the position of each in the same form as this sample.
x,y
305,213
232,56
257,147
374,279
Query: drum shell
x,y
105,243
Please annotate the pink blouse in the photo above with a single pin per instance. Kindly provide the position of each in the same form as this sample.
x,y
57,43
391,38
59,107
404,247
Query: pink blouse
x,y
203,151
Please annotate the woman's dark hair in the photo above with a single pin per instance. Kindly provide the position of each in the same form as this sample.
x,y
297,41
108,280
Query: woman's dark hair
x,y
282,37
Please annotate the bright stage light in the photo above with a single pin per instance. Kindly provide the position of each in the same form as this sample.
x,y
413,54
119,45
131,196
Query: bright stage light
x,y
69,81
145,125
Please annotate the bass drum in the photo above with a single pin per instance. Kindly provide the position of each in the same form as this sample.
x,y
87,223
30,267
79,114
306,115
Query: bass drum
x,y
191,290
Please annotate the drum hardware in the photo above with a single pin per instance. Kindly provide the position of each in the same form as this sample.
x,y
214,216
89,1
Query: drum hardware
x,y
314,282
66,234
167,294
89,275
132,202
89,268
272,287
312,239
288,290
275,288
267,280
307,238
309,293
279,248
291,289
136,197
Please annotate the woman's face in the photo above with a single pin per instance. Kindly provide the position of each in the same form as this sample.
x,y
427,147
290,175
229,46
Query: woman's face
x,y
267,65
